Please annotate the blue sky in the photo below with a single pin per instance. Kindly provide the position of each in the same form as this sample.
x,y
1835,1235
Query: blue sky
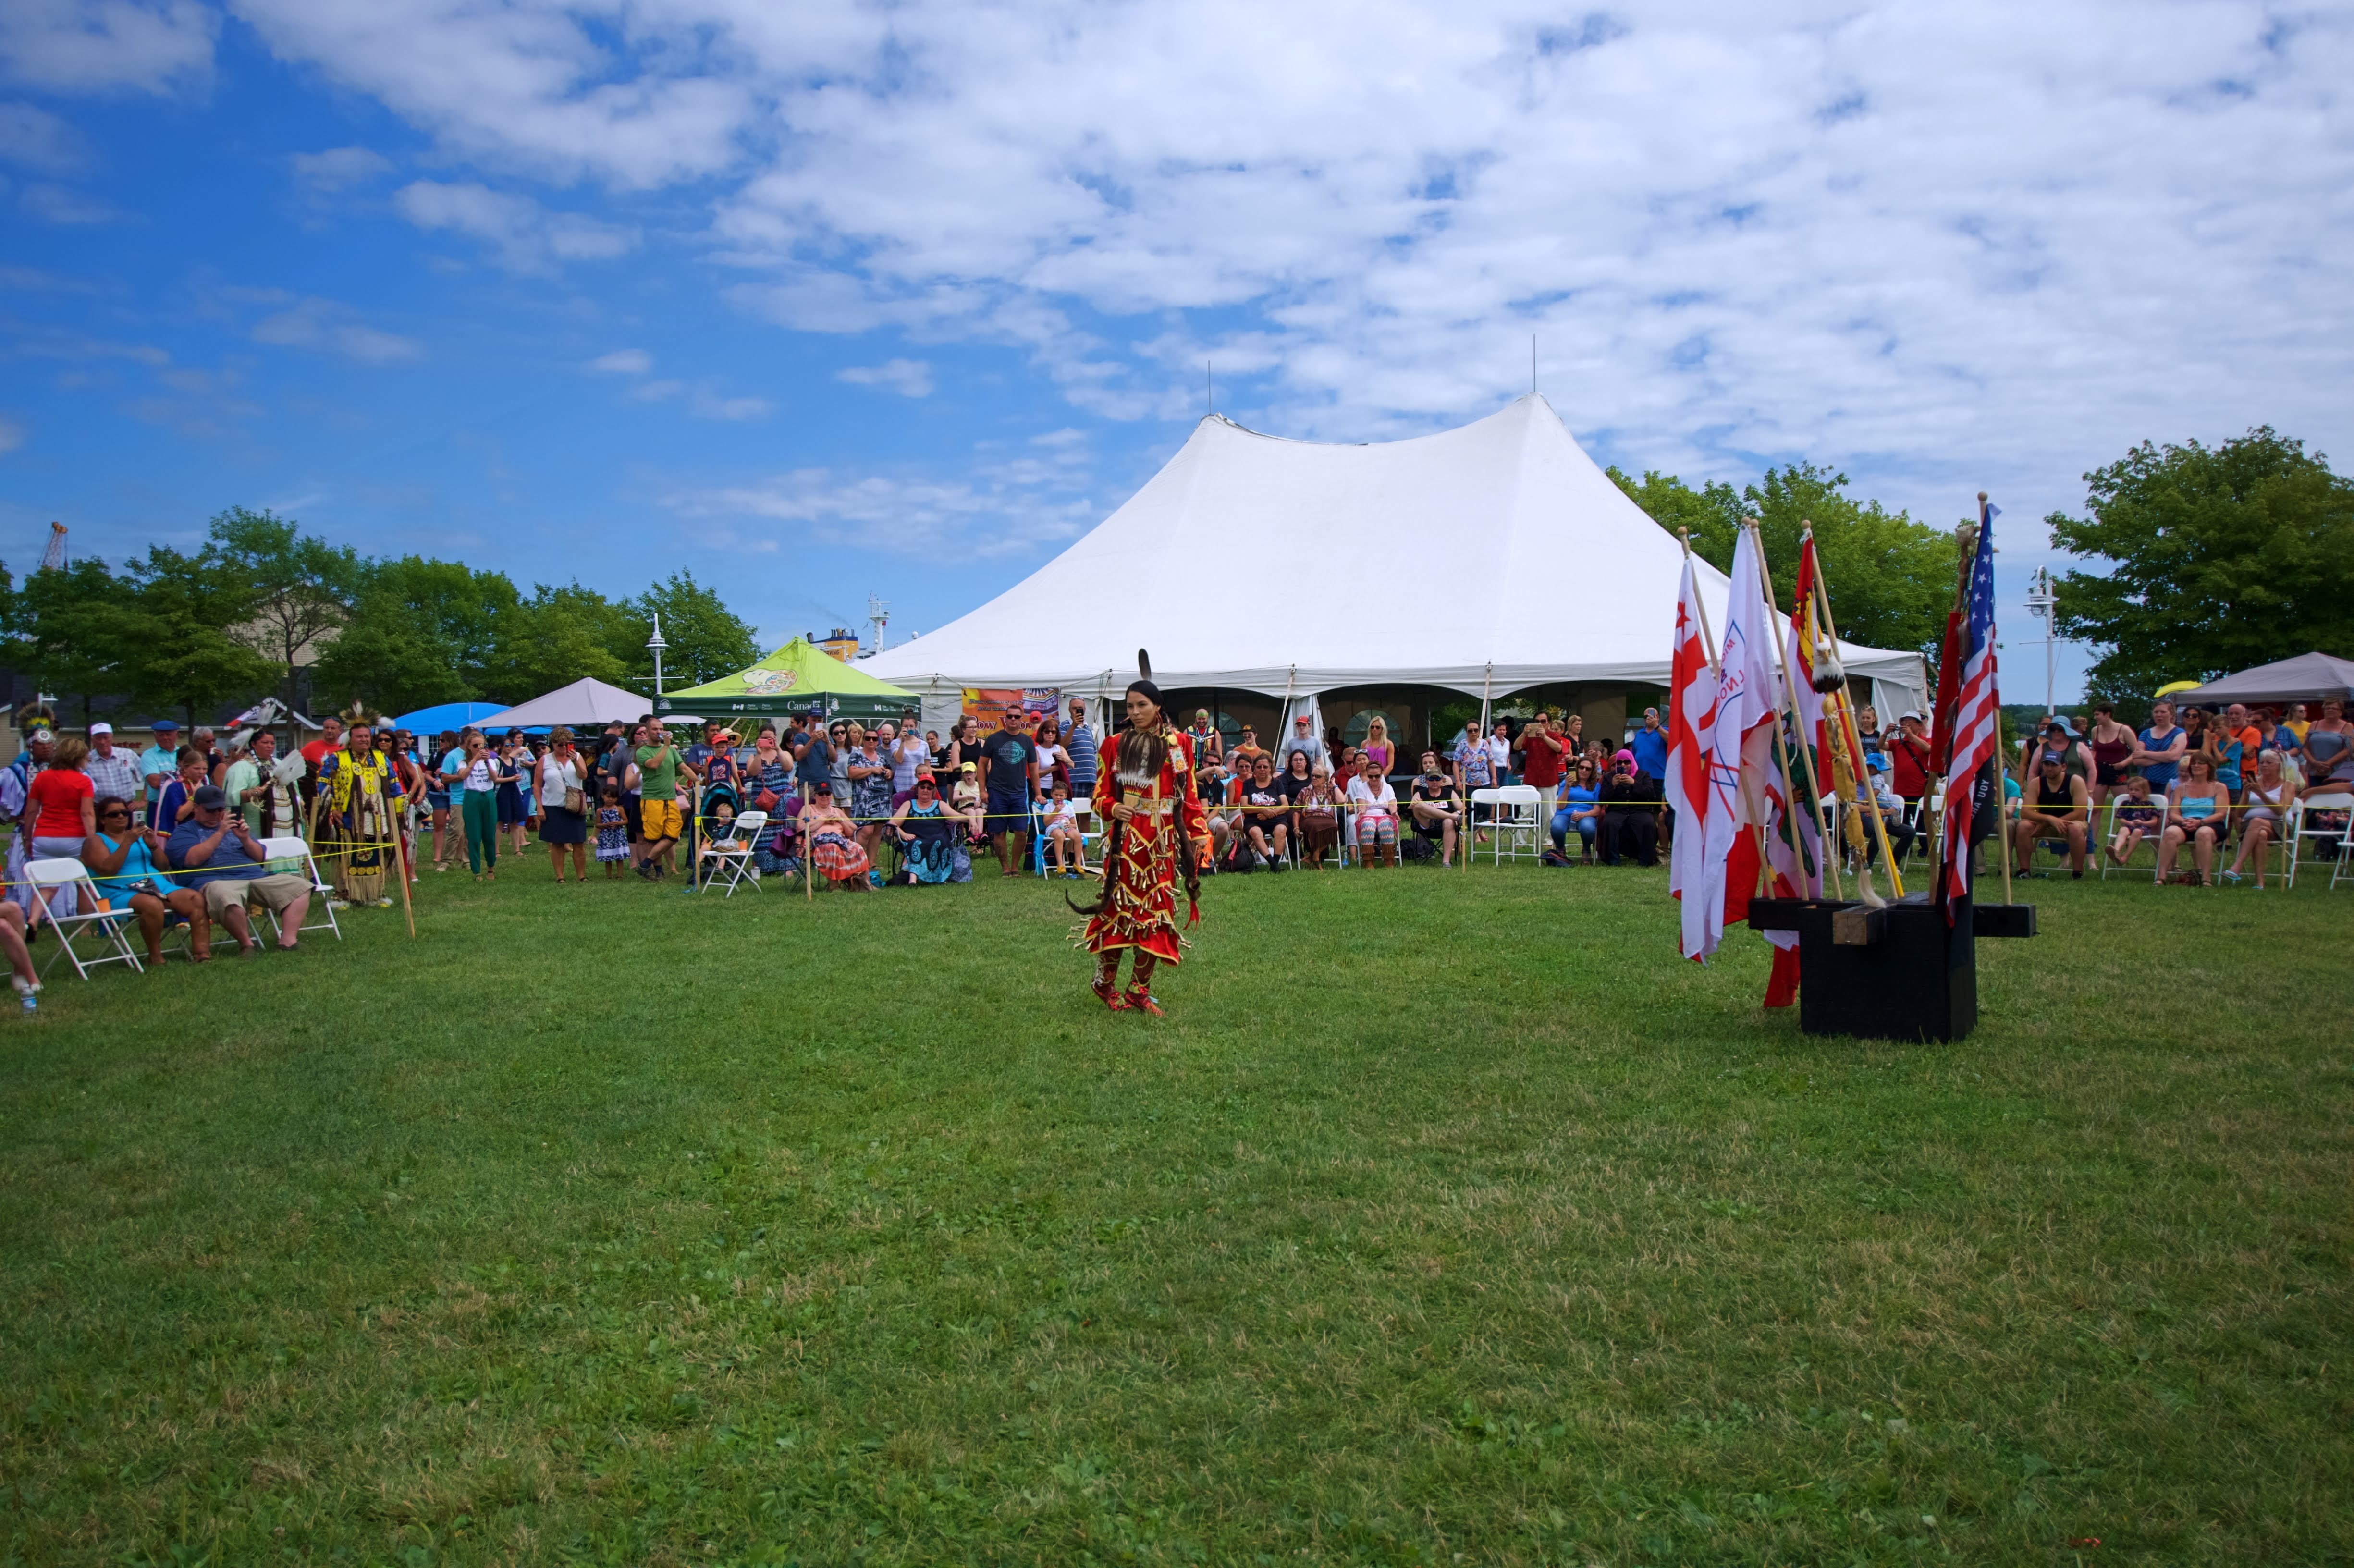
x,y
831,300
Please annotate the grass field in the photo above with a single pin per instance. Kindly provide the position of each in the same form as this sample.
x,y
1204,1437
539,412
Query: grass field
x,y
1447,1218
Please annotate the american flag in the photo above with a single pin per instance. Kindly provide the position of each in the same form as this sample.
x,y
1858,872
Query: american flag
x,y
1974,721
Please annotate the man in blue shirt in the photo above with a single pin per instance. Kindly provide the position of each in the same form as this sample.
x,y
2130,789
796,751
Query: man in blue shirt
x,y
1080,742
1649,745
1009,770
159,762
224,862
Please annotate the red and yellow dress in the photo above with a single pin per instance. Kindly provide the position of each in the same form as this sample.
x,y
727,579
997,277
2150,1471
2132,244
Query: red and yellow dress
x,y
1141,883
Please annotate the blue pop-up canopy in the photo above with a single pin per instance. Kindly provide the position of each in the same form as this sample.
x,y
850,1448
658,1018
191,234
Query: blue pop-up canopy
x,y
447,716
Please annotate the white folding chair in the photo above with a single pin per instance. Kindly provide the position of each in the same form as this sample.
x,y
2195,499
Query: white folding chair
x,y
2109,830
728,853
2326,801
1519,822
51,877
298,860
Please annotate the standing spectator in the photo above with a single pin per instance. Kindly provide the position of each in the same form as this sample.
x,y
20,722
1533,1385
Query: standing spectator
x,y
1631,822
1377,745
2327,742
122,862
659,771
909,755
769,778
2136,818
2196,813
1302,740
225,864
1649,745
1908,751
1581,808
2056,803
1079,740
870,788
1209,745
2057,741
206,742
2162,746
2241,727
964,746
1541,755
1435,806
112,772
1009,778
2110,745
612,827
2225,747
255,791
330,741
1245,753
1866,734
562,785
2294,726
1475,766
1054,761
478,806
512,772
438,759
1375,805
2268,801
158,763
1499,752
60,814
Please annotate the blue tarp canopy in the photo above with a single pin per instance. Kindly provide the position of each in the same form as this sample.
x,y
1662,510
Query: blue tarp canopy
x,y
447,716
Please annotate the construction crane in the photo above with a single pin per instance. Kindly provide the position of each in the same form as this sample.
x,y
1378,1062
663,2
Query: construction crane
x,y
55,555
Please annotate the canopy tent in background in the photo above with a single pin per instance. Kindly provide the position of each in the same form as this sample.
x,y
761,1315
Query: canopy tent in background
x,y
445,715
1487,560
2308,678
795,679
585,703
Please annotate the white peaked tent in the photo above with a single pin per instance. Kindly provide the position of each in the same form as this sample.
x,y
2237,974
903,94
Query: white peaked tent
x,y
1488,558
586,702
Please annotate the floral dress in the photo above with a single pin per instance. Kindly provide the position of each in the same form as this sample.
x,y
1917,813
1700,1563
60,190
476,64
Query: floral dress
x,y
612,833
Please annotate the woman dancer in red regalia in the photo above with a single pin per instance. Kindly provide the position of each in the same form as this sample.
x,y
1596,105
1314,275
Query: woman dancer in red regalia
x,y
1157,835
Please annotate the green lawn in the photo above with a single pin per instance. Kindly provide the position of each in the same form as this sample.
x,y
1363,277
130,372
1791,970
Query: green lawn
x,y
1447,1218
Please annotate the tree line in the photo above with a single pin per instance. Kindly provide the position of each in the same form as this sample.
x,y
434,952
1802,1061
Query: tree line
x,y
2198,560
264,607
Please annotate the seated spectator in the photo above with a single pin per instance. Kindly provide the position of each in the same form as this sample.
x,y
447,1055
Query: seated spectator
x,y
612,830
2327,741
2056,804
224,862
124,868
2136,817
1630,817
1375,809
832,840
965,799
1581,808
1317,804
1909,750
60,814
2198,814
1064,845
2265,811
1436,808
927,830
21,972
1264,813
1900,832
175,804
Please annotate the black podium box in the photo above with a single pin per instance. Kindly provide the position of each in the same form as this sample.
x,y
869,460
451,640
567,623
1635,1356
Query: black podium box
x,y
1898,973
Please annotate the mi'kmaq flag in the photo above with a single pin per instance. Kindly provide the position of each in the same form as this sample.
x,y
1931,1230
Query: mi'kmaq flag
x,y
1724,778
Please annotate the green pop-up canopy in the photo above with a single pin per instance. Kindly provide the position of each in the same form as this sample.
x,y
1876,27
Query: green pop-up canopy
x,y
793,680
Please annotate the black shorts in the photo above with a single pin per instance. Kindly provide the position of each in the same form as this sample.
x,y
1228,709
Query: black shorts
x,y
1007,814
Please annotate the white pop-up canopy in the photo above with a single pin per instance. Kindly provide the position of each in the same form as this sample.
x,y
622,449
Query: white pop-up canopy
x,y
1488,558
585,702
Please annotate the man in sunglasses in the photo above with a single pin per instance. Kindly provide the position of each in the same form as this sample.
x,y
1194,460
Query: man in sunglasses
x,y
224,862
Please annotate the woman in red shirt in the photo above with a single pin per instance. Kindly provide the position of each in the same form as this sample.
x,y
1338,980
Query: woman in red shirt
x,y
59,812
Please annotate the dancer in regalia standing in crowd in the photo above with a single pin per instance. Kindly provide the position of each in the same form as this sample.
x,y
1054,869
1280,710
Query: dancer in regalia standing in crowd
x,y
1158,835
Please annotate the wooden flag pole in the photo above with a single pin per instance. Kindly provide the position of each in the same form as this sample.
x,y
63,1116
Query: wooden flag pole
x,y
2001,800
1822,601
1789,704
400,869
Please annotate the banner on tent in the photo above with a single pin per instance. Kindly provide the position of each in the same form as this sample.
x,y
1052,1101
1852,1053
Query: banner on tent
x,y
990,703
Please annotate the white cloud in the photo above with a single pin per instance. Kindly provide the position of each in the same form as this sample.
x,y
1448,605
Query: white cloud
x,y
35,139
12,434
79,46
623,362
339,168
1946,243
56,204
908,378
326,327
525,235
711,406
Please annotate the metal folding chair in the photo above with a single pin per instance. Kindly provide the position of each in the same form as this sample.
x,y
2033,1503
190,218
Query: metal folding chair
x,y
2326,801
294,850
53,876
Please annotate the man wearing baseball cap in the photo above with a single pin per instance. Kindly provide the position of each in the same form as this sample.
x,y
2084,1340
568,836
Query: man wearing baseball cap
x,y
114,773
159,761
224,862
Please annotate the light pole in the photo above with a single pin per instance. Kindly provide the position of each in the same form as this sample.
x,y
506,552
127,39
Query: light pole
x,y
657,645
2043,604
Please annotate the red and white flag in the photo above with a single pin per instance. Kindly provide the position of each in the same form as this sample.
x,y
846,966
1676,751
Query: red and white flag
x,y
1694,880
1739,739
